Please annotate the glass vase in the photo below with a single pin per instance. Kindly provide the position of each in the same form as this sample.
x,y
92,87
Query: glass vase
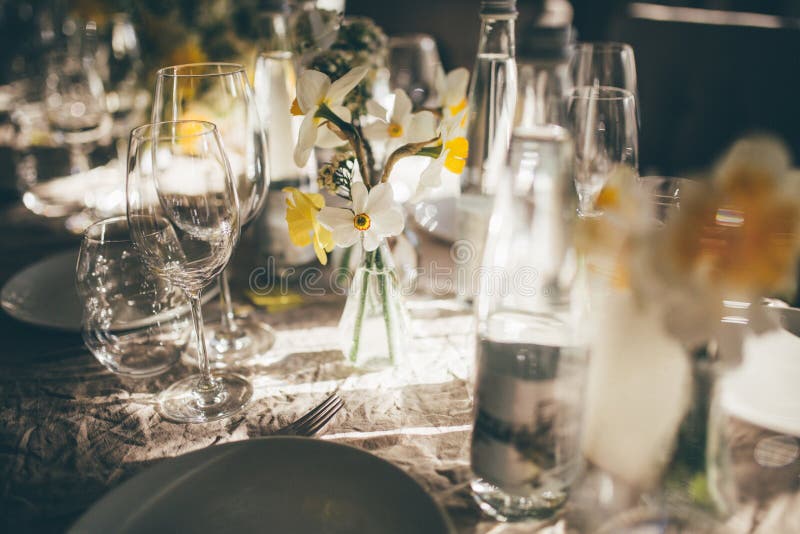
x,y
374,324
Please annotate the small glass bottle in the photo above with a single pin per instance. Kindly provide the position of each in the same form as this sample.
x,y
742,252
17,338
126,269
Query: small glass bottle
x,y
531,355
491,95
275,85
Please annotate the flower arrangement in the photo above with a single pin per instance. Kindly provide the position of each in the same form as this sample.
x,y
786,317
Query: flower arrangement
x,y
679,301
367,212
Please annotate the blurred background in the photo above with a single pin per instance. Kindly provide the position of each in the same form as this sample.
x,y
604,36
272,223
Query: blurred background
x,y
708,70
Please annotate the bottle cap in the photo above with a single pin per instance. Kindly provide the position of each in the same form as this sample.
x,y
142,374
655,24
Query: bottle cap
x,y
498,7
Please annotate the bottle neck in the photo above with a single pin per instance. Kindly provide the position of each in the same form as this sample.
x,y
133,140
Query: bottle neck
x,y
274,33
543,87
497,35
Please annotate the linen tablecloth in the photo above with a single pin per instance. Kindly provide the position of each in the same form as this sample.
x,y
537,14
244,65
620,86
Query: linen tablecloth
x,y
70,430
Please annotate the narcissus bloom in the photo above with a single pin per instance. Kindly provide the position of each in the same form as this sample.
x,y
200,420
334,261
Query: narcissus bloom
x,y
454,149
302,210
401,126
452,90
372,216
316,93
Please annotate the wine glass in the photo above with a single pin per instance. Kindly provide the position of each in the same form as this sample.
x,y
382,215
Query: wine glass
x,y
183,214
605,128
606,64
221,93
413,60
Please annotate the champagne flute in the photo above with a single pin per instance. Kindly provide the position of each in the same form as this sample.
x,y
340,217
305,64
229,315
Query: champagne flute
x,y
183,214
608,64
221,93
605,128
604,63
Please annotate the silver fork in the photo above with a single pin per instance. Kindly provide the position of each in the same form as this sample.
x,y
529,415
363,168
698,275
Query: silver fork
x,y
314,421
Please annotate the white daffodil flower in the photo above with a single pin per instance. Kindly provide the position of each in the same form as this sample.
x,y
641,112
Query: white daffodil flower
x,y
454,150
373,216
451,90
402,126
315,91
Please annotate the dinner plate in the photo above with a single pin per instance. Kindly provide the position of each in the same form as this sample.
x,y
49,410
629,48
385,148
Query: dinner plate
x,y
44,294
274,484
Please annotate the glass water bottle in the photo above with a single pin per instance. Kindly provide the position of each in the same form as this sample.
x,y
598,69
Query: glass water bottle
x,y
275,85
531,354
492,92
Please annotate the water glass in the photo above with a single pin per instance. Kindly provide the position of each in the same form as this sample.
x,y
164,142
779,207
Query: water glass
x,y
606,64
413,60
135,323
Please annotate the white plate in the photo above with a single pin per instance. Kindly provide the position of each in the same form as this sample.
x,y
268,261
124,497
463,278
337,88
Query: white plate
x,y
44,294
275,484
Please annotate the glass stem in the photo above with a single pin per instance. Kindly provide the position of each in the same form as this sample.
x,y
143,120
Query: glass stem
x,y
228,321
207,389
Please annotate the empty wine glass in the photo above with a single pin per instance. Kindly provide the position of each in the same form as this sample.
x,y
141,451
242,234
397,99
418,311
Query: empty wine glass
x,y
604,125
183,214
605,64
221,93
135,323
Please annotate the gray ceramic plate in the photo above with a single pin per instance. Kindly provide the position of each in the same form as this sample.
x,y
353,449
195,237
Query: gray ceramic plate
x,y
44,294
275,484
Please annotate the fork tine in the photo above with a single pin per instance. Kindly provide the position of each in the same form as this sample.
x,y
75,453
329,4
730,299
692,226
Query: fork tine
x,y
297,426
313,413
314,427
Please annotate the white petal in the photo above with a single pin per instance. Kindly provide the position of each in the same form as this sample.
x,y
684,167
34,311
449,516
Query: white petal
x,y
311,89
342,112
422,127
389,222
381,199
305,140
440,84
402,106
377,131
333,218
327,139
376,110
345,84
359,194
457,81
371,240
344,237
432,175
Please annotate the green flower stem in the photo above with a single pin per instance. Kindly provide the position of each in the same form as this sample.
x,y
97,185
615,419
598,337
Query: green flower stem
x,y
410,149
362,304
387,318
353,137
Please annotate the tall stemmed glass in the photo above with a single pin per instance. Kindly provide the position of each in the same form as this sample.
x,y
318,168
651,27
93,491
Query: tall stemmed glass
x,y
604,125
221,93
183,215
606,64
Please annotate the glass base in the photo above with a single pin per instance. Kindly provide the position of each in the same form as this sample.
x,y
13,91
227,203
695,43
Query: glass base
x,y
252,337
179,403
140,362
503,506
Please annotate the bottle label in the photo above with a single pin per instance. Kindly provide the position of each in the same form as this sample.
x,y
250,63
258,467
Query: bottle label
x,y
526,432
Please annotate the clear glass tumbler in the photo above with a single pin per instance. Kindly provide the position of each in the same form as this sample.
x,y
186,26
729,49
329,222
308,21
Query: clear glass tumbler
x,y
135,323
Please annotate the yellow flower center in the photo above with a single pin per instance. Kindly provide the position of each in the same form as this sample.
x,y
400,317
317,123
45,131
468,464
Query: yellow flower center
x,y
295,110
395,130
362,222
454,110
